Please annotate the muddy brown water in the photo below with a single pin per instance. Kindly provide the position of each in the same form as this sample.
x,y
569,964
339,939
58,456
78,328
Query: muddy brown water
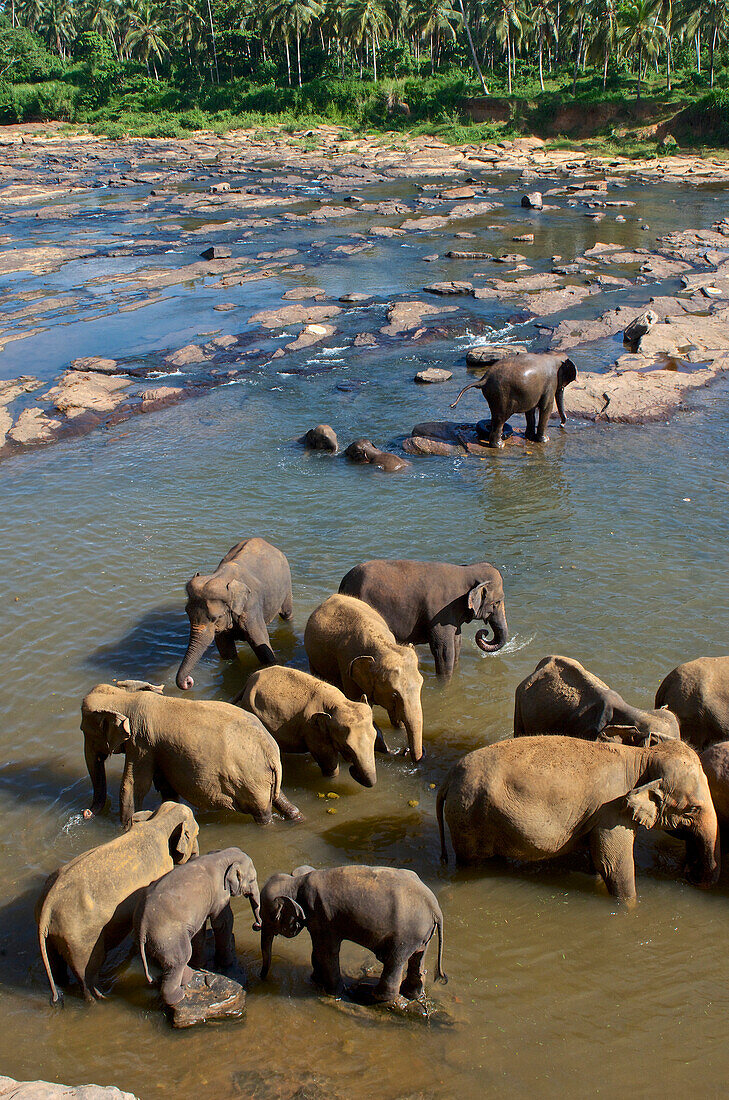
x,y
612,542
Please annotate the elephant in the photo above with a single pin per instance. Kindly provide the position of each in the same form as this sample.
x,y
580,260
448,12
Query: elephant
x,y
349,644
321,438
534,798
698,694
561,696
87,905
212,754
304,714
171,916
528,384
363,451
388,910
715,762
250,587
430,601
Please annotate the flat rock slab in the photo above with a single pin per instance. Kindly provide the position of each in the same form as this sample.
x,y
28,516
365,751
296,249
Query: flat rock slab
x,y
454,254
183,357
209,997
446,288
486,354
215,252
403,316
94,363
45,1090
294,315
432,375
354,296
423,1011
451,439
301,293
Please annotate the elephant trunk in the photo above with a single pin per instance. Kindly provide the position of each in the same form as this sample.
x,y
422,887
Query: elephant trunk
x,y
702,849
363,770
470,386
559,398
255,899
96,763
200,638
266,946
497,622
410,713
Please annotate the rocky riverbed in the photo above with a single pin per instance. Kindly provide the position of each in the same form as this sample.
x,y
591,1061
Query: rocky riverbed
x,y
135,275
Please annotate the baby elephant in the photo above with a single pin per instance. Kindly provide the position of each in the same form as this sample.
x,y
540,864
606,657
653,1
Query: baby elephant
x,y
385,909
524,384
171,917
364,452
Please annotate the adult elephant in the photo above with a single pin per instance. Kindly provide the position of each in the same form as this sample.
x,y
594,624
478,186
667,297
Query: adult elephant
x,y
250,587
428,603
561,696
528,384
533,798
698,694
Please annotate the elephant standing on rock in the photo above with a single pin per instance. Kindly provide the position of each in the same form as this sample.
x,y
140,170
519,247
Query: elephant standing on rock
x,y
533,798
212,754
171,916
528,384
250,587
389,911
87,905
428,602
561,696
304,714
349,644
698,694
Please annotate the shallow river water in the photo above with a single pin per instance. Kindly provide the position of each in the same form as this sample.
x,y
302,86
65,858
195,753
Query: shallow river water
x,y
612,543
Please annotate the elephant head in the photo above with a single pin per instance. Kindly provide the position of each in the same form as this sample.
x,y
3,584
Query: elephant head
x,y
677,797
486,602
106,730
215,603
646,729
240,880
179,824
281,913
566,373
349,729
394,682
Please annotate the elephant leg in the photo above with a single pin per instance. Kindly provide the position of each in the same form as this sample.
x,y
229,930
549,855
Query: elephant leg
x,y
89,976
164,788
325,970
256,635
197,948
135,785
225,645
545,411
388,987
287,809
531,423
224,941
380,742
443,647
174,977
57,963
287,608
414,984
612,855
328,760
496,435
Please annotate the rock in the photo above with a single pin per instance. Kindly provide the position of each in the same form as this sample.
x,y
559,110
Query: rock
x,y
293,315
215,252
524,238
464,235
509,258
638,328
11,1089
224,307
364,452
310,335
224,341
94,363
183,357
431,258
321,438
208,996
432,375
455,255
365,340
486,354
404,316
219,188
457,193
448,288
435,221
300,293
33,426
532,201
452,439
355,296
620,218
78,392
161,395
386,231
712,292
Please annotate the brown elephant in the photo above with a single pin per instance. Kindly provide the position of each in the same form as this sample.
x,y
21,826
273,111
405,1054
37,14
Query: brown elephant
x,y
364,452
428,602
214,755
250,587
698,694
529,384
534,798
304,714
87,905
715,762
561,696
349,644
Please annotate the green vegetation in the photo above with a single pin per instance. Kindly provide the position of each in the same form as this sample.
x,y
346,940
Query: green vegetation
x,y
552,67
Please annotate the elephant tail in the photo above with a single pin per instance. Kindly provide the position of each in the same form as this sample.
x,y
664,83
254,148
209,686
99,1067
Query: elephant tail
x,y
442,794
470,386
43,924
143,953
519,730
440,973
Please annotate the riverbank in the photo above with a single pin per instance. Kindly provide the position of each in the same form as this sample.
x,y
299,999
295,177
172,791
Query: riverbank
x,y
191,211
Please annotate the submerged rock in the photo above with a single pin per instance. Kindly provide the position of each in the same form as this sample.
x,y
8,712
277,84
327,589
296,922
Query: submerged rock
x,y
432,375
216,252
404,316
94,363
446,288
208,996
451,439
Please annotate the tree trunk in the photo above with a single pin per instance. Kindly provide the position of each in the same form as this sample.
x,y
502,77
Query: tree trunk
x,y
215,50
640,66
374,56
577,57
604,71
472,48
711,59
298,50
508,54
541,74
288,59
698,52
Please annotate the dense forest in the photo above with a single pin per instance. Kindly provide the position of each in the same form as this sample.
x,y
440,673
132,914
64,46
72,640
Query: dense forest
x,y
405,59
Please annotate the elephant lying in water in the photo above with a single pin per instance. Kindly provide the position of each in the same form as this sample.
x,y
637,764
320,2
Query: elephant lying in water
x,y
250,587
698,694
428,602
533,798
87,905
212,754
561,696
528,384
349,644
385,909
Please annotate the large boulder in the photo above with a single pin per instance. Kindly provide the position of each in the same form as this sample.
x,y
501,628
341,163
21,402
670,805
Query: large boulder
x,y
532,201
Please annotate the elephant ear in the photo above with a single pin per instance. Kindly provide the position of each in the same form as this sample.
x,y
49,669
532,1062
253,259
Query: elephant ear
x,y
238,595
140,685
567,372
644,803
184,846
288,916
481,599
361,671
625,735
234,880
116,728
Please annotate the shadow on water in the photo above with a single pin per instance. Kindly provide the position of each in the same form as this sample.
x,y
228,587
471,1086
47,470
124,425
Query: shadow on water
x,y
148,648
42,781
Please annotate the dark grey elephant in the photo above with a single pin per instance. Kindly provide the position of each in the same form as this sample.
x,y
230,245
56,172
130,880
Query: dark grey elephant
x,y
250,587
529,384
171,917
388,910
428,602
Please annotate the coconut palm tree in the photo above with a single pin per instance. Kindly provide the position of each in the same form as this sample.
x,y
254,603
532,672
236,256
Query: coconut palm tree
x,y
146,35
57,24
507,23
430,19
187,26
715,19
642,32
366,20
297,16
604,42
544,25
29,12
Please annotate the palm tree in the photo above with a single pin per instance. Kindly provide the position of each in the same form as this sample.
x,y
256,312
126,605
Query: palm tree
x,y
604,39
642,33
296,15
363,20
57,24
145,36
187,25
507,24
431,18
472,48
29,12
544,25
715,17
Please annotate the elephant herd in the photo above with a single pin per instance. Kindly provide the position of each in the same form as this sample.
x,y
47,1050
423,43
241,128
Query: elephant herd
x,y
584,768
